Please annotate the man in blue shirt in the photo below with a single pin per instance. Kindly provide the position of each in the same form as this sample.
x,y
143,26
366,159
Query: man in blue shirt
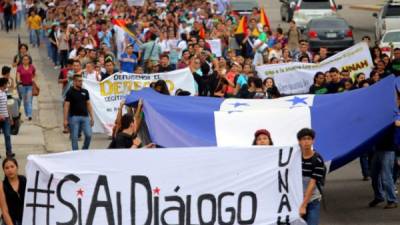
x,y
128,60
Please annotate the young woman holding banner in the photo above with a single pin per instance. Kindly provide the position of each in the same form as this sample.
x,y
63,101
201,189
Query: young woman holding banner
x,y
12,193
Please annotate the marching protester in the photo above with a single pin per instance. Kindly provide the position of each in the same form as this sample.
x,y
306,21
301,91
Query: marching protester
x,y
262,137
12,193
78,113
25,79
313,177
5,118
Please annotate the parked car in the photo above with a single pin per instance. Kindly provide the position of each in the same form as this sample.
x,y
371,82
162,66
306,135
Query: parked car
x,y
287,9
332,32
389,41
388,18
307,10
244,7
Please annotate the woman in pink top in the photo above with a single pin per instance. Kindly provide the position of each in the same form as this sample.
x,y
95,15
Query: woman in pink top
x,y
25,77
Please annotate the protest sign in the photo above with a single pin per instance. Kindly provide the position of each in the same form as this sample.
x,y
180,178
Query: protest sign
x,y
215,46
258,186
135,2
296,78
106,96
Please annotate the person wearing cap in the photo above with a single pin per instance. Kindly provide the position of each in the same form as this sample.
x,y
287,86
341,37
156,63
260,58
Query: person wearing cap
x,y
128,60
313,170
262,137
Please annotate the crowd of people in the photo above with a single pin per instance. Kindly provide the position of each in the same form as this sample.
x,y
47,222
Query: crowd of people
x,y
83,41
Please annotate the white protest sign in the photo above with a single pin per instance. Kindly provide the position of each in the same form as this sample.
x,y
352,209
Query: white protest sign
x,y
296,78
216,47
106,96
258,186
135,2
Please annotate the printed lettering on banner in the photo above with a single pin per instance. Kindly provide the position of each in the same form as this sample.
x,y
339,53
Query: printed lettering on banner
x,y
258,186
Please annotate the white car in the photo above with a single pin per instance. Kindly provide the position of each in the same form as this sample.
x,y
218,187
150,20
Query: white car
x,y
307,10
388,18
390,38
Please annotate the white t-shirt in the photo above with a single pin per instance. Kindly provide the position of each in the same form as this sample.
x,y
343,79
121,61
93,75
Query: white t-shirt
x,y
182,45
90,76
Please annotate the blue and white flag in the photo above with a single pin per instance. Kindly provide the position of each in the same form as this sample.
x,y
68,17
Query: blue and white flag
x,y
346,124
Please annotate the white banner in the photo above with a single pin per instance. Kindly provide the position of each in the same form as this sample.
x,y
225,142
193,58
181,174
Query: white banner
x,y
296,78
216,47
258,186
107,95
135,2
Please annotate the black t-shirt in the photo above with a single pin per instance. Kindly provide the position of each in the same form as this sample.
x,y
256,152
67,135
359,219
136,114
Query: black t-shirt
x,y
335,87
122,140
314,167
168,68
77,99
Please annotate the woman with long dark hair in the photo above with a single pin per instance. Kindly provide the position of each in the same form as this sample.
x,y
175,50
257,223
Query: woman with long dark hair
x,y
271,88
12,193
26,73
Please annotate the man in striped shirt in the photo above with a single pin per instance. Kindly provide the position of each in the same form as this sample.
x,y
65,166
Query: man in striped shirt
x,y
313,177
5,120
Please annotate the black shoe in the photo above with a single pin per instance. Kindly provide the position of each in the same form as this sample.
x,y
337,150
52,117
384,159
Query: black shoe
x,y
10,155
366,179
30,118
375,202
391,205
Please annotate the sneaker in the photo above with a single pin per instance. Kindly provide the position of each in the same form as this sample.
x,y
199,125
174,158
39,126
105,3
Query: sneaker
x,y
391,205
30,118
375,202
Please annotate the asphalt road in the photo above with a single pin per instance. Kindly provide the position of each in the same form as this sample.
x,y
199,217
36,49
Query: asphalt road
x,y
346,195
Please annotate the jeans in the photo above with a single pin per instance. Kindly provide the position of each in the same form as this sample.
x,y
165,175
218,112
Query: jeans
x,y
35,35
396,171
364,165
54,54
26,94
312,214
8,22
30,36
20,17
63,58
77,123
5,126
382,175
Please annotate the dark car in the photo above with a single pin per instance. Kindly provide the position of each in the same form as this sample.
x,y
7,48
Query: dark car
x,y
287,9
333,33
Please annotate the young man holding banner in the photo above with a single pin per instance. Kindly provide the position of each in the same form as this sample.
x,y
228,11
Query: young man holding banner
x,y
313,177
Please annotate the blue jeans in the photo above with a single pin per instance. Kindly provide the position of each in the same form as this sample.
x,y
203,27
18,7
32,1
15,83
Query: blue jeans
x,y
80,123
364,165
30,36
35,35
5,126
26,94
54,54
312,214
382,175
20,17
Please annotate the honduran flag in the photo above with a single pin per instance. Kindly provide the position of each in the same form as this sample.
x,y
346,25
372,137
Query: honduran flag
x,y
346,124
